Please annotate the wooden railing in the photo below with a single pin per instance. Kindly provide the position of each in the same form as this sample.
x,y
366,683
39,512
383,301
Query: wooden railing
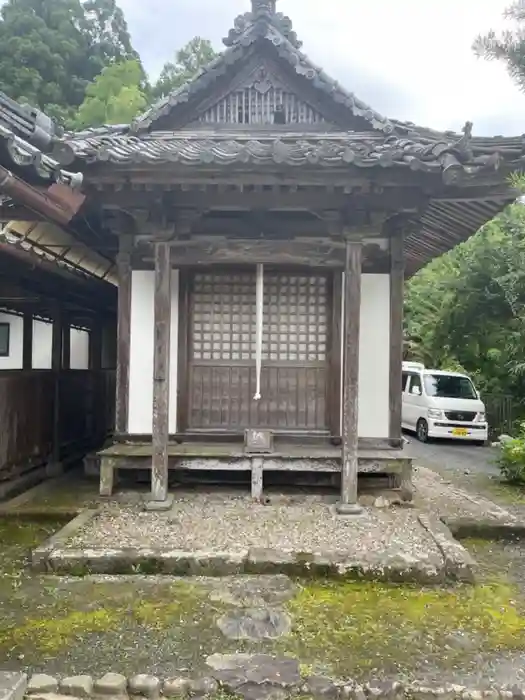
x,y
86,414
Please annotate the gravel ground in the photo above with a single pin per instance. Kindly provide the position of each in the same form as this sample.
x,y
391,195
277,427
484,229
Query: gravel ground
x,y
202,521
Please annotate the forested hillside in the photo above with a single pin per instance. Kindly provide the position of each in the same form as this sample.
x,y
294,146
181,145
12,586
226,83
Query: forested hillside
x,y
75,61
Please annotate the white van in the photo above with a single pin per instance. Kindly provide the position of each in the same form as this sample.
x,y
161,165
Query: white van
x,y
440,404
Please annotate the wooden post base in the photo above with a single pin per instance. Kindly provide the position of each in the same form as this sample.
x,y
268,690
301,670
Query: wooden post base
x,y
349,509
257,478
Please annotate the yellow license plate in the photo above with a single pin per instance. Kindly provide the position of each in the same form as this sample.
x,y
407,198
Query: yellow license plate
x,y
460,432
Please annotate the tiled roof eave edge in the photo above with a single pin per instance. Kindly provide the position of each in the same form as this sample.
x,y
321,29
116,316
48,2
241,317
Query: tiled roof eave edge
x,y
24,155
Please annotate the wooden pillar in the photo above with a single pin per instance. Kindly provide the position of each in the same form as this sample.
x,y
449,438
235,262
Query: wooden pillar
x,y
66,344
397,278
123,333
352,312
56,366
96,422
95,346
161,373
27,342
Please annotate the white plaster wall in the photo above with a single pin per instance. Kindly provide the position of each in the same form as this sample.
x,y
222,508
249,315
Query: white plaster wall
x,y
140,417
16,331
140,410
42,344
79,341
374,357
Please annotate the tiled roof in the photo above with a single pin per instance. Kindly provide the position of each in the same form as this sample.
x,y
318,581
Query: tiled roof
x,y
456,158
26,137
22,154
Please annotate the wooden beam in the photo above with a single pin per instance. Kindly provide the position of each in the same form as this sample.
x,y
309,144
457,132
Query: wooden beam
x,y
352,312
123,332
346,176
397,279
27,341
161,373
257,198
282,252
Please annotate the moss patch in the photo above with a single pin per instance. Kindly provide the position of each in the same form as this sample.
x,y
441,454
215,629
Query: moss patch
x,y
18,538
352,628
178,605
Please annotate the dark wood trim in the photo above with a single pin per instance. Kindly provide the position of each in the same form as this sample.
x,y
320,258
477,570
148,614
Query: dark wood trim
x,y
397,278
95,346
66,344
123,333
333,400
183,382
6,351
27,341
56,366
352,323
161,373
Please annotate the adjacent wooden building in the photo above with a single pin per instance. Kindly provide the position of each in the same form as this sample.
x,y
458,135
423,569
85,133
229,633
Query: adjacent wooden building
x,y
54,404
266,220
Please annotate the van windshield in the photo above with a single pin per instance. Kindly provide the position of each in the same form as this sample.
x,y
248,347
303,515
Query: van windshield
x,y
448,386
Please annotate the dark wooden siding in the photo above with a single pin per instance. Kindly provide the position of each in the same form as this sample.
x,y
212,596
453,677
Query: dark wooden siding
x,y
26,414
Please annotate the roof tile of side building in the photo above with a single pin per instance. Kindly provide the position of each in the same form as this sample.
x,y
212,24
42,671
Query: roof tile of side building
x,y
26,136
23,155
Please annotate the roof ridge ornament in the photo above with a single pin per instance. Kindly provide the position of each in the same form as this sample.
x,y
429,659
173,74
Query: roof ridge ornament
x,y
260,7
265,11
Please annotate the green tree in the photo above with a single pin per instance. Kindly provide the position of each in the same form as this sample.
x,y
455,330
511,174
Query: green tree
x,y
508,46
467,308
50,51
188,61
116,96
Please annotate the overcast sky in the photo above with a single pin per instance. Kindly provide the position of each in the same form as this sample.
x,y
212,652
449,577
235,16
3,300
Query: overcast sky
x,y
408,59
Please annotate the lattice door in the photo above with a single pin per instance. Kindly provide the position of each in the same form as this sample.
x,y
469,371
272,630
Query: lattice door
x,y
222,351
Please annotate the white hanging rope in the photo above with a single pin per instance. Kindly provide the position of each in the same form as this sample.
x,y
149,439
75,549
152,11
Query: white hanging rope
x,y
259,291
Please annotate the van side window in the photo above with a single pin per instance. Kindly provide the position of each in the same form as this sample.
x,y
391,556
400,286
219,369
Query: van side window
x,y
416,382
405,380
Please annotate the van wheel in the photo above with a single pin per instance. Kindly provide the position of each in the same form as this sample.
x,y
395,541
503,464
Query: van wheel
x,y
422,430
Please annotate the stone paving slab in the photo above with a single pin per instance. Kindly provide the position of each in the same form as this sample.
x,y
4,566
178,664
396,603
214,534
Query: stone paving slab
x,y
220,534
12,685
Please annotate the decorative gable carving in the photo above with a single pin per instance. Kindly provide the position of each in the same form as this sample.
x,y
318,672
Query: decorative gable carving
x,y
261,99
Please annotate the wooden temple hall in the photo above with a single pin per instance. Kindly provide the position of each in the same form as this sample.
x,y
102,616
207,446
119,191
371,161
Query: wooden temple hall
x,y
261,221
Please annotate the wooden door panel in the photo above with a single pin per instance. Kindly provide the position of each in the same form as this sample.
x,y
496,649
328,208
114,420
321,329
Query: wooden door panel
x,y
222,352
